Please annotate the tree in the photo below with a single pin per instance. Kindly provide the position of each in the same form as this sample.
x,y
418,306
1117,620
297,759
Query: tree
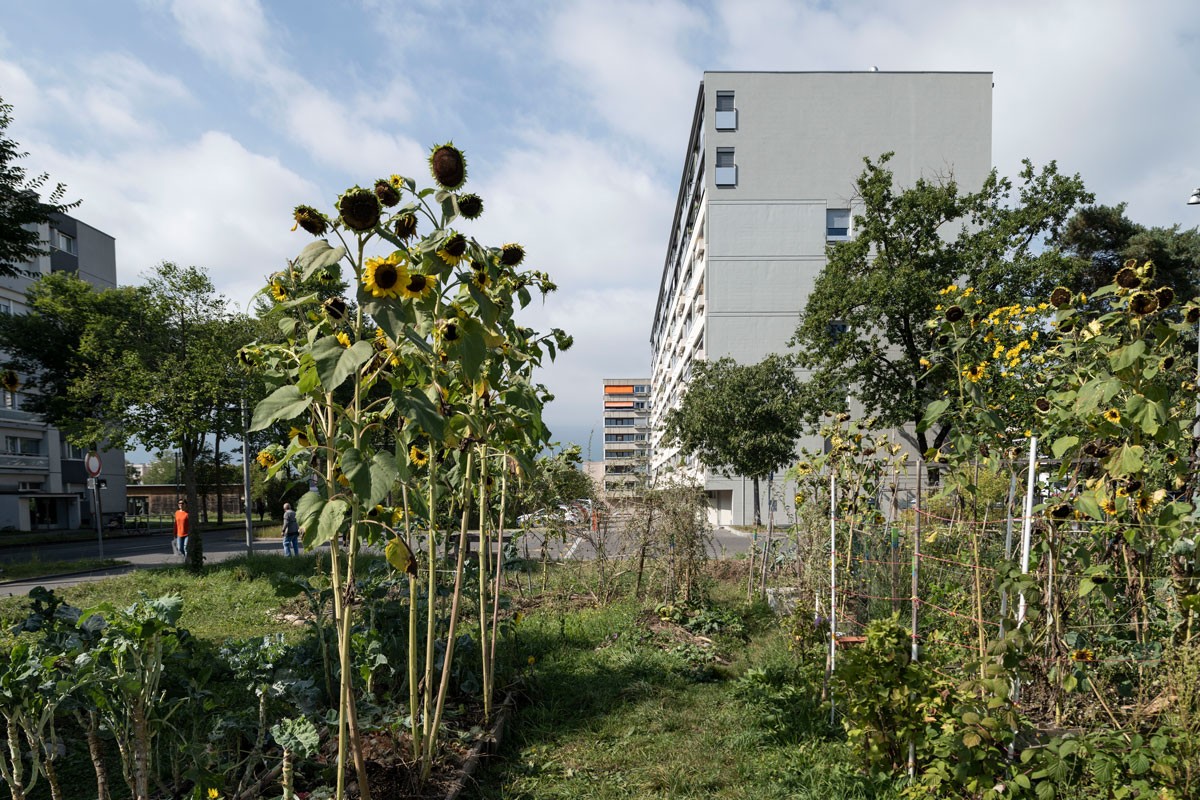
x,y
863,332
1101,239
21,207
145,363
740,419
161,471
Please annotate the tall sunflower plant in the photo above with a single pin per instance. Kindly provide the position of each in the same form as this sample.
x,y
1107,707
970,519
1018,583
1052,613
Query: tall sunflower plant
x,y
394,393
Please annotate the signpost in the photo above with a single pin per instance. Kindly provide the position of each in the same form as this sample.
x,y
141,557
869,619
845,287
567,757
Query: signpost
x,y
91,462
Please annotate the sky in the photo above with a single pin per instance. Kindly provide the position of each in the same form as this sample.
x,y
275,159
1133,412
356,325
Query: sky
x,y
191,128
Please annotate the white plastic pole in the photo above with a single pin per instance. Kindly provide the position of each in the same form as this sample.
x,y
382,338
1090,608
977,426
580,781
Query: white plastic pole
x,y
1027,523
832,586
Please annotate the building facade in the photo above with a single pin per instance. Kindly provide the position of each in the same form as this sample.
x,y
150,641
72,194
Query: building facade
x,y
44,479
767,185
626,434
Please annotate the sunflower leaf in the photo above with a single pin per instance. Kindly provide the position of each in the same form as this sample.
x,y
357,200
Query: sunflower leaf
x,y
400,556
1127,356
422,409
371,480
335,363
333,515
318,255
308,512
284,403
1063,444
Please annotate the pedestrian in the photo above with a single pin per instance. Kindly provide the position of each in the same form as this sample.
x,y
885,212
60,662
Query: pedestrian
x,y
183,528
291,531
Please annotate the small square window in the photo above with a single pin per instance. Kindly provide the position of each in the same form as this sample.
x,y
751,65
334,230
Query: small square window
x,y
63,242
837,223
726,117
726,169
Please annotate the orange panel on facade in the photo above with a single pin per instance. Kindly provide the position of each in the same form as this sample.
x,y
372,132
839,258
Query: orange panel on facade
x,y
618,404
618,390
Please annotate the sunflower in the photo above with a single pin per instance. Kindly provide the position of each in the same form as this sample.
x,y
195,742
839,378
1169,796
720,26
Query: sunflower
x,y
417,457
1060,511
416,286
470,206
266,459
512,254
1172,458
1127,277
1083,655
1192,315
799,500
247,357
335,308
381,339
311,220
384,277
954,313
387,192
447,330
453,247
300,436
481,280
1041,405
359,209
804,468
1165,295
926,363
448,166
278,292
1060,297
1143,303
1113,416
975,372
343,338
405,226
1109,505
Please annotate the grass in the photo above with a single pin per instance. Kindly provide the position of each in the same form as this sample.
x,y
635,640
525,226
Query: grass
x,y
26,570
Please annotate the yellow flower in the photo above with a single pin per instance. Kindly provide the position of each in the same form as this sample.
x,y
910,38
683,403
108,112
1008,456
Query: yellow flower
x,y
1109,505
417,456
384,277
1083,654
300,436
213,794
925,363
278,292
266,459
417,286
1113,416
531,661
975,372
481,280
343,338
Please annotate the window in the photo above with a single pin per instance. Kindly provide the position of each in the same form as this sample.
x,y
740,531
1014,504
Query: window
x,y
726,117
5,306
641,388
61,241
23,445
837,223
726,172
618,422
10,400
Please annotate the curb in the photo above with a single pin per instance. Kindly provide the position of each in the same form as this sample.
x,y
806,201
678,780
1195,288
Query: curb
x,y
484,746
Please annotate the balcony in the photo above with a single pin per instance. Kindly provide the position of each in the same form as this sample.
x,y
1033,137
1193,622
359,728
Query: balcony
x,y
726,176
24,463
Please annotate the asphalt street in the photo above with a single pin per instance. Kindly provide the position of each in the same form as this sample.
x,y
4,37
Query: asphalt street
x,y
153,549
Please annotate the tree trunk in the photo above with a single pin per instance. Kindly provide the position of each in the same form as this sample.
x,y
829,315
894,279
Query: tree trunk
x,y
220,475
757,510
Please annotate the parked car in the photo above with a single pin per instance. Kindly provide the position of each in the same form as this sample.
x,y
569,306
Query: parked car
x,y
545,516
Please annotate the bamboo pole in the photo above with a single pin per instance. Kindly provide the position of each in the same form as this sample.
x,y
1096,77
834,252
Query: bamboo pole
x,y
832,587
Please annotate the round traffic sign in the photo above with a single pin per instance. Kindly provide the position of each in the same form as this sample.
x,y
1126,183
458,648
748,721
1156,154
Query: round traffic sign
x,y
91,462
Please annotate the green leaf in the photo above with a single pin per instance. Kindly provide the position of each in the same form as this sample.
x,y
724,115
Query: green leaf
x,y
317,256
971,739
400,556
1127,356
298,735
1128,459
371,480
932,412
284,403
1063,444
420,408
336,363
1139,763
1145,413
308,512
333,516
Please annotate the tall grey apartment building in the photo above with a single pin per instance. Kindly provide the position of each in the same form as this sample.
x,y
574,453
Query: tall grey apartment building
x,y
768,183
626,434
43,478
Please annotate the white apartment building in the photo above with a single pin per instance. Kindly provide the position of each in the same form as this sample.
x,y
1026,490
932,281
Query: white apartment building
x,y
768,183
43,479
626,434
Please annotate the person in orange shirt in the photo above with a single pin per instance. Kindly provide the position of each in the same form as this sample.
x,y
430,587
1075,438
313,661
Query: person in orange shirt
x,y
183,527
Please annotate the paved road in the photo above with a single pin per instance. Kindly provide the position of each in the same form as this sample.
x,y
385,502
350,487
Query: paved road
x,y
154,550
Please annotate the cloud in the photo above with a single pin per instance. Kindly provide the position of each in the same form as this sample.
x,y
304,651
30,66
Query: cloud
x,y
210,203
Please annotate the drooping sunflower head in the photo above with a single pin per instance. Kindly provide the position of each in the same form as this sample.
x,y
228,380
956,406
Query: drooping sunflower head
x,y
278,291
512,254
359,209
10,381
1192,315
335,308
311,220
1146,270
387,192
266,459
1060,297
1113,415
470,206
448,166
343,338
384,277
417,457
417,286
954,313
1061,511
405,226
1165,296
447,330
247,357
1143,303
299,436
453,247
1127,277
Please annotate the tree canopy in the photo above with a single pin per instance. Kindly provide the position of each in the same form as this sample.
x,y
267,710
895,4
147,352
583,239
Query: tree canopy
x,y
739,419
863,334
21,206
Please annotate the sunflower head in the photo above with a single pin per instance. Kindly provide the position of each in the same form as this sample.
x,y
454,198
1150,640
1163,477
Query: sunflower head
x,y
10,381
1060,297
447,330
387,192
416,286
1143,303
1109,505
266,459
300,436
975,372
335,308
1041,405
311,220
1113,415
417,457
1165,296
384,277
1060,511
359,209
512,254
1192,315
246,357
954,313
448,166
470,206
405,226
278,291
1127,277
1168,362
453,247
343,338
481,280
1083,655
